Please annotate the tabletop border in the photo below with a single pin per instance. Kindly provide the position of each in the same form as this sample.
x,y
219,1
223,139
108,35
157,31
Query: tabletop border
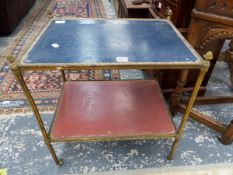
x,y
127,65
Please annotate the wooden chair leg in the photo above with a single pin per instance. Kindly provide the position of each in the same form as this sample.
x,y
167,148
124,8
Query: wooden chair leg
x,y
206,120
176,97
227,137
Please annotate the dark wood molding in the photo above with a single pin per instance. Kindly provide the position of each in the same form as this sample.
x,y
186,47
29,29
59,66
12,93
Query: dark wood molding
x,y
211,123
212,17
205,100
11,13
225,131
227,137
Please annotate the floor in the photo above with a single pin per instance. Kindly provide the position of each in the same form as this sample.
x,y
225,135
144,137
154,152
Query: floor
x,y
23,151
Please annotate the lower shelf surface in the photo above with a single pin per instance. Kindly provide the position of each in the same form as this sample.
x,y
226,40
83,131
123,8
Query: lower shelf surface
x,y
103,110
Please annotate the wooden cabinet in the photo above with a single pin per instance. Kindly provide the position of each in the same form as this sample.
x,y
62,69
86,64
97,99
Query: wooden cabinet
x,y
126,9
11,12
181,10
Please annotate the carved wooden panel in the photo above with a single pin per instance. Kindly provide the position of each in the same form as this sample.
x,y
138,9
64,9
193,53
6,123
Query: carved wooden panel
x,y
218,7
227,56
216,34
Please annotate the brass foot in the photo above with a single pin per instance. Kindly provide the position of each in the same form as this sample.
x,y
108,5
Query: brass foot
x,y
61,162
169,157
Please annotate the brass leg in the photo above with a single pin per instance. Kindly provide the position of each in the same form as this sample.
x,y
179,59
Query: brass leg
x,y
175,98
18,75
187,111
201,76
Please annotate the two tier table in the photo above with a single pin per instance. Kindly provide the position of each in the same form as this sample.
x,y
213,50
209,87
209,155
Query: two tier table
x,y
110,110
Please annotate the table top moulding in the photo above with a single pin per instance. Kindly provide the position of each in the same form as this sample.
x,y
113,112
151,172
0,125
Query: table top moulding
x,y
117,38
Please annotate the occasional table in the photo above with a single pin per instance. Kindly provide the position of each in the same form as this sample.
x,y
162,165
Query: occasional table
x,y
110,110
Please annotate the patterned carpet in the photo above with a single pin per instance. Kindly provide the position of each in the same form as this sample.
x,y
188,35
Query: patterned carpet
x,y
80,8
45,87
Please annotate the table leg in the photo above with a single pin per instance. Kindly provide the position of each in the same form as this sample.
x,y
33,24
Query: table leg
x,y
18,75
187,111
63,75
227,137
189,106
175,98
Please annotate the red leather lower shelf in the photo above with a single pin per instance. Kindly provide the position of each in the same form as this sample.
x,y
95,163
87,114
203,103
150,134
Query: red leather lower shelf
x,y
96,110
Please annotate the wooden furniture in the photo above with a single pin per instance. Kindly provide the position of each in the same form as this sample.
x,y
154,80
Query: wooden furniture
x,y
180,14
11,12
226,131
181,10
126,9
113,110
227,56
214,21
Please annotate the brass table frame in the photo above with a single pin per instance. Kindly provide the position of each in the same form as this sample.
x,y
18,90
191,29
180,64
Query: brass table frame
x,y
18,68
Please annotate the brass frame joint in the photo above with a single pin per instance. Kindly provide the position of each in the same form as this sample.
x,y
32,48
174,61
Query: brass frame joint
x,y
169,13
206,63
59,68
47,141
12,64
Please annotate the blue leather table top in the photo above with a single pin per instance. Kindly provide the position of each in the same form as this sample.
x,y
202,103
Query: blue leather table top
x,y
108,41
